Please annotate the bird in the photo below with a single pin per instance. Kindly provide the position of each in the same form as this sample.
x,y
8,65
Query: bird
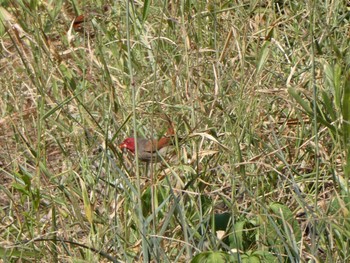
x,y
149,150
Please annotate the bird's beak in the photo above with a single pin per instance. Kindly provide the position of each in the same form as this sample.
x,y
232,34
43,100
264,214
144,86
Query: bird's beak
x,y
122,145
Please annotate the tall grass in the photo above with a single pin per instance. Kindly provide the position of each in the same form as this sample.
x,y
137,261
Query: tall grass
x,y
258,92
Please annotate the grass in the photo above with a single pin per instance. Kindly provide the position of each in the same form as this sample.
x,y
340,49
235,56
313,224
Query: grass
x,y
258,92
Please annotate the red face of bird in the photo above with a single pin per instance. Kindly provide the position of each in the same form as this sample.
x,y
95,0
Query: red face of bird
x,y
128,143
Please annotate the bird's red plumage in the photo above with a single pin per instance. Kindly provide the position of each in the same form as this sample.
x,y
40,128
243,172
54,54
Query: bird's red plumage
x,y
148,150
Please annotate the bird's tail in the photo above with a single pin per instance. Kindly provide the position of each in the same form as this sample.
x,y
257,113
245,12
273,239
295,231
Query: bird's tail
x,y
171,130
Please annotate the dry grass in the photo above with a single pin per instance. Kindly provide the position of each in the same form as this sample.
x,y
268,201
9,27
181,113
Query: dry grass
x,y
257,90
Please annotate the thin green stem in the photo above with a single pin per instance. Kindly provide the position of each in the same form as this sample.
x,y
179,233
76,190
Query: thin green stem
x,y
141,222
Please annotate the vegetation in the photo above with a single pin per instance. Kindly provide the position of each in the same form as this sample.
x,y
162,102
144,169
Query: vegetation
x,y
258,92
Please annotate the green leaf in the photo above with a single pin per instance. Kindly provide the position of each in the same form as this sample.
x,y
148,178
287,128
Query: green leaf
x,y
251,259
24,255
242,237
265,256
145,10
236,238
262,57
210,257
286,220
221,221
333,75
305,104
329,106
147,199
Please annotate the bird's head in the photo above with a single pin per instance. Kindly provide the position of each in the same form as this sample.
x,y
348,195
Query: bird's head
x,y
128,143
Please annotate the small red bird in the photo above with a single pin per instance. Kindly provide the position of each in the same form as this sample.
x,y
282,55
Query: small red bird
x,y
148,150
